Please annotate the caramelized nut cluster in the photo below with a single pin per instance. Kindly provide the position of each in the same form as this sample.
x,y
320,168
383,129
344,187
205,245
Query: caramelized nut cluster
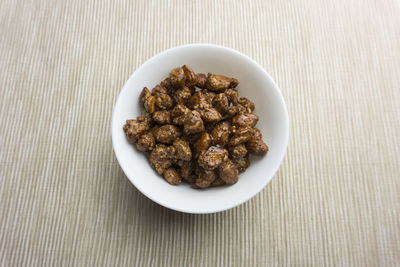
x,y
196,128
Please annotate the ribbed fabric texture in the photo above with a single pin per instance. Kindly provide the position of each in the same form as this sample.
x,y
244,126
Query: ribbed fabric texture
x,y
65,201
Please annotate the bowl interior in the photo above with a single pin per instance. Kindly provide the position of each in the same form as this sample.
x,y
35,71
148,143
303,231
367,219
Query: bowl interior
x,y
254,83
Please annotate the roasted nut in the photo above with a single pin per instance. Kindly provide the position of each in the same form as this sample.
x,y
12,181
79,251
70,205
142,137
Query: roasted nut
x,y
177,77
158,89
181,96
257,146
257,133
203,143
182,149
228,172
179,113
160,158
167,84
212,157
210,115
218,182
144,94
242,135
153,129
166,134
232,96
219,83
238,151
209,96
190,76
205,178
172,176
221,103
149,101
192,138
193,123
146,142
198,101
247,104
220,133
201,80
134,128
225,104
233,102
163,101
162,117
242,163
245,119
186,169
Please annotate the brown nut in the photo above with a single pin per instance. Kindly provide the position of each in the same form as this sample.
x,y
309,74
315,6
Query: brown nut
x,y
257,133
219,83
245,119
162,117
247,104
181,96
144,94
160,158
232,95
198,101
179,113
203,143
177,77
201,80
218,182
190,76
193,123
209,96
212,157
226,104
228,172
167,84
163,101
182,149
221,103
238,151
205,178
167,134
242,135
172,176
242,163
220,133
257,146
186,169
145,142
134,128
149,101
192,138
210,115
158,89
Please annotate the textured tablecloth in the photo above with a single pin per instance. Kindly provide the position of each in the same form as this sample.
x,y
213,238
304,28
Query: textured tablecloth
x,y
65,201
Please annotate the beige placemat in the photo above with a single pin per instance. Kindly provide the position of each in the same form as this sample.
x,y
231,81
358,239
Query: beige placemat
x,y
65,201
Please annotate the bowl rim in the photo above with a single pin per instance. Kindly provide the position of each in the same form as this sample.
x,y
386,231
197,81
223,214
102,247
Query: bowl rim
x,y
275,87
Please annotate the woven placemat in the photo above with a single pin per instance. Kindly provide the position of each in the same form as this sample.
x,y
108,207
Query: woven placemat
x,y
65,201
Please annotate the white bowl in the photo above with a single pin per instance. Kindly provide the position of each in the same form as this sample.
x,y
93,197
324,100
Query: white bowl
x,y
254,83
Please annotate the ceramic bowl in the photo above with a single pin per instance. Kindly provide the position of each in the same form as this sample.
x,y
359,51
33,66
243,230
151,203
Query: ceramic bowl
x,y
254,83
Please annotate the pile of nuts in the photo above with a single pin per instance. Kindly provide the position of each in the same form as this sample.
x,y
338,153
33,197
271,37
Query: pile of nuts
x,y
196,128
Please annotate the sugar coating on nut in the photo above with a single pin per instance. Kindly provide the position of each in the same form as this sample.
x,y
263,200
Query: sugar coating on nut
x,y
135,128
228,172
212,157
166,134
196,128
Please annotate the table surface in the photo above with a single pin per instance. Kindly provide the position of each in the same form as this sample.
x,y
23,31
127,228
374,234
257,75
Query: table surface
x,y
65,201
